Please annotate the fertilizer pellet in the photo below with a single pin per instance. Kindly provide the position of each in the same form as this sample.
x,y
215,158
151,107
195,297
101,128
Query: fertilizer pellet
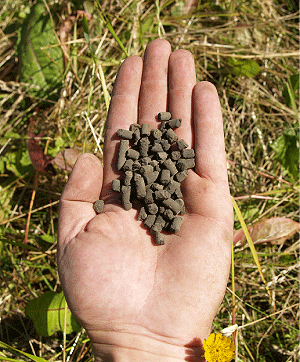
x,y
98,206
154,163
164,116
124,146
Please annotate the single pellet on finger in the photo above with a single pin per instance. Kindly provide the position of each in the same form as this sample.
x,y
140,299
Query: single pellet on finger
x,y
126,191
164,116
145,129
144,146
181,144
185,163
125,134
188,153
159,238
142,214
116,185
172,204
98,206
174,123
171,135
149,221
176,224
124,146
180,176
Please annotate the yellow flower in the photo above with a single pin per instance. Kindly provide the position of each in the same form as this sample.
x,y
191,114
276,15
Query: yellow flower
x,y
218,348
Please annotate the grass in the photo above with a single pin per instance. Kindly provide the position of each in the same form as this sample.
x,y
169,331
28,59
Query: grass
x,y
249,50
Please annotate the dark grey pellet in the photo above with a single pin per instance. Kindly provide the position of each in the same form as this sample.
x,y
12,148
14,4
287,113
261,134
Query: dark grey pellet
x,y
164,116
98,206
165,144
168,214
133,154
185,163
176,224
172,186
156,133
180,176
116,185
145,170
170,165
142,214
140,186
159,224
156,186
172,204
145,129
145,161
157,148
181,144
134,126
152,209
124,145
174,123
159,238
128,165
126,191
187,153
128,177
136,166
162,195
171,135
161,209
125,134
162,156
165,176
149,196
177,193
151,177
149,221
175,155
144,146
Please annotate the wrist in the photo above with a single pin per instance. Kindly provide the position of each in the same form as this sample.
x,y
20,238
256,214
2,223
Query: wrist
x,y
130,347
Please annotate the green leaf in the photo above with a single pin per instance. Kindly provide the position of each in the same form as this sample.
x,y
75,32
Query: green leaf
x,y
49,313
240,67
286,150
290,89
28,355
40,56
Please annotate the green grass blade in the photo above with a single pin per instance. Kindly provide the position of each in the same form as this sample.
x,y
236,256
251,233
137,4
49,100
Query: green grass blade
x,y
250,243
28,355
109,26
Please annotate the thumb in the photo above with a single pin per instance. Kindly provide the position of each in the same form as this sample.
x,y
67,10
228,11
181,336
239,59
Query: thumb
x,y
81,191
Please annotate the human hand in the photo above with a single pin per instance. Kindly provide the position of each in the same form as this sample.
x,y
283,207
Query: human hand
x,y
138,301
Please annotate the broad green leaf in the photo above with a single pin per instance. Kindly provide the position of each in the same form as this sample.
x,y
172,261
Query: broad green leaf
x,y
286,150
40,56
49,314
28,355
240,67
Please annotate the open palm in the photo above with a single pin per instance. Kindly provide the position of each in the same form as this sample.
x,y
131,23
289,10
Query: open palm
x,y
116,280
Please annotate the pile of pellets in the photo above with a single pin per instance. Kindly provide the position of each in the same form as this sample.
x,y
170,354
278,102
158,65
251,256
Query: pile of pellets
x,y
154,162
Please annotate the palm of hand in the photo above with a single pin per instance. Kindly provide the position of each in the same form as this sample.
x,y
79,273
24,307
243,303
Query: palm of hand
x,y
114,277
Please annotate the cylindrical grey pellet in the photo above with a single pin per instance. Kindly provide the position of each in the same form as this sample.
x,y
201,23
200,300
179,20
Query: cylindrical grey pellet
x,y
171,135
174,123
165,176
172,204
128,165
149,196
142,214
176,224
172,186
181,144
177,193
185,163
162,195
180,176
116,185
164,116
149,221
152,209
124,145
156,133
188,153
126,191
156,186
151,177
128,177
175,155
144,146
145,129
134,126
124,133
98,206
157,148
162,156
133,154
168,214
140,186
159,238
145,161
159,224
165,144
146,169
136,165
170,165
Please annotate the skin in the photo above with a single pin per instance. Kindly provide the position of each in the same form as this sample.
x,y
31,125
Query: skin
x,y
138,301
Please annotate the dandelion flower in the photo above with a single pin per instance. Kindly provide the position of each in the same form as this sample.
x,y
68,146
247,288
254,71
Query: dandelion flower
x,y
218,348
